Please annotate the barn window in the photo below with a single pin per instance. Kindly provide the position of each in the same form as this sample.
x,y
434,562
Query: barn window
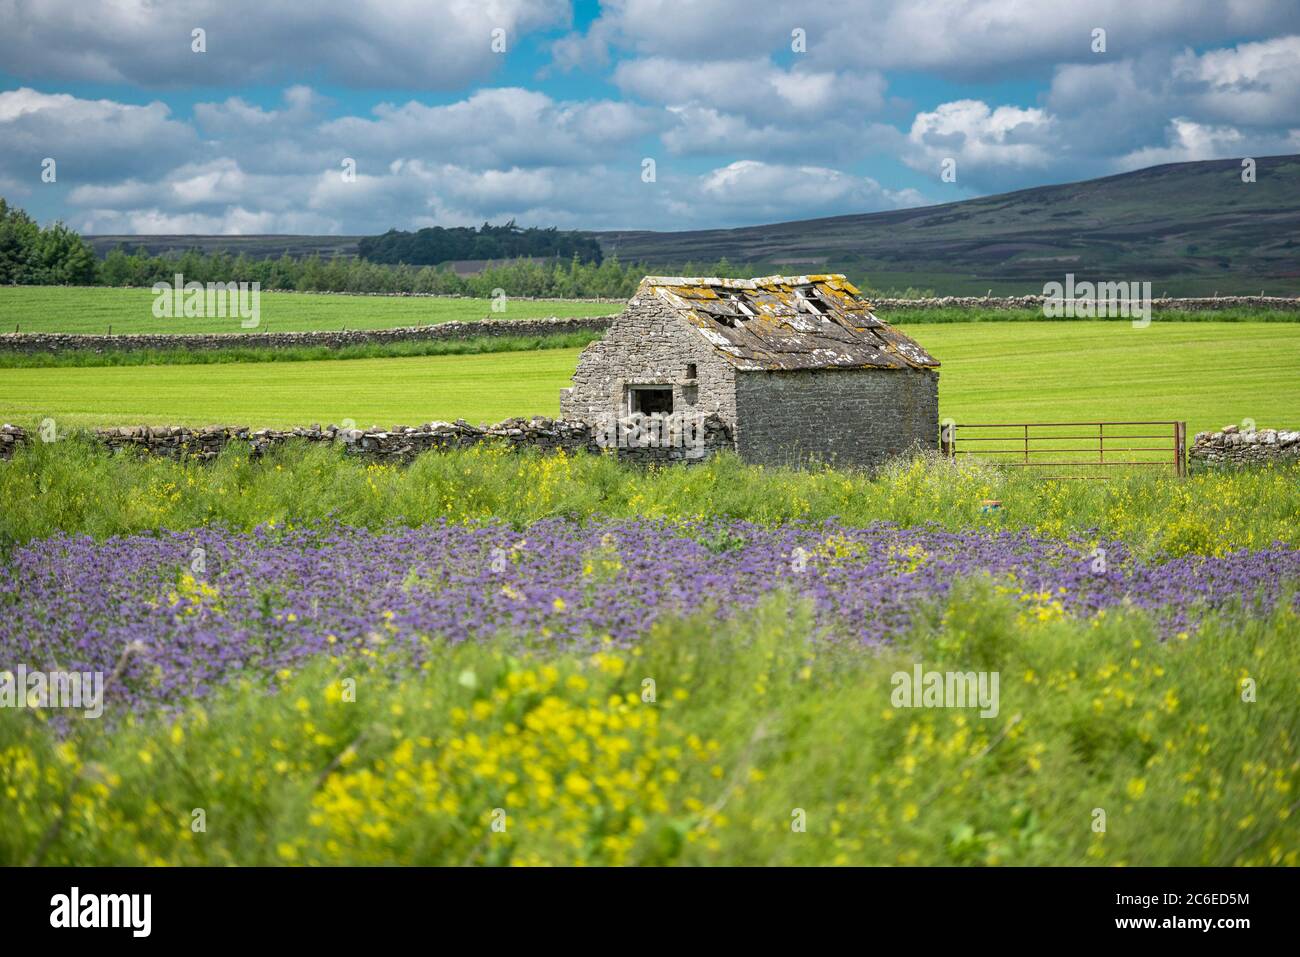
x,y
650,399
690,371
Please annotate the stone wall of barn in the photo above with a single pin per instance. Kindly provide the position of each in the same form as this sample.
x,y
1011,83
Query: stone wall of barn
x,y
843,417
649,344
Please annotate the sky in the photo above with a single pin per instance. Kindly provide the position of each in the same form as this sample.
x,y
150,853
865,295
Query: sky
x,y
356,116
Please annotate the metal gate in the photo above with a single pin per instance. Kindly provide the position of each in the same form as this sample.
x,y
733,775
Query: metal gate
x,y
1076,448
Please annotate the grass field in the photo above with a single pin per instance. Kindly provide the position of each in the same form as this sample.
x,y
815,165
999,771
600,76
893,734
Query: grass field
x,y
1208,374
93,310
96,310
386,392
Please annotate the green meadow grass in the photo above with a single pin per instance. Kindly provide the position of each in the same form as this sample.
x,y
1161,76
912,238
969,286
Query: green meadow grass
x,y
70,486
759,747
1207,374
93,310
480,388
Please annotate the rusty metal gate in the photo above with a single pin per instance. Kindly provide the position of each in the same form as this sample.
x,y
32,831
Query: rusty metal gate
x,y
1070,450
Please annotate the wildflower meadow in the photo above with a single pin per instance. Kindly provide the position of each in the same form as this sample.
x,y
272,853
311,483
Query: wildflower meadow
x,y
494,658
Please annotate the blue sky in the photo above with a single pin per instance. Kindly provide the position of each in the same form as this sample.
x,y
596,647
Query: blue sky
x,y
251,135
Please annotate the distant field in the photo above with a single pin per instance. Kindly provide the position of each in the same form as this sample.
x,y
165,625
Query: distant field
x,y
1209,374
101,309
94,310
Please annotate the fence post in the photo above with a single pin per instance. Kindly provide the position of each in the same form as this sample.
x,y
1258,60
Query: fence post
x,y
1180,449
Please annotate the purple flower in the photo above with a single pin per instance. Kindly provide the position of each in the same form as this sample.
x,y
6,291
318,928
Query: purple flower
x,y
271,599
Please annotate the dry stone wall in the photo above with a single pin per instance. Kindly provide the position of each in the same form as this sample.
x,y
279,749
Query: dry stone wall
x,y
1231,447
443,331
402,443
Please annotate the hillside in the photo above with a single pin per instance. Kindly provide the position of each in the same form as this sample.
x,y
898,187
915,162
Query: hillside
x,y
1188,227
254,247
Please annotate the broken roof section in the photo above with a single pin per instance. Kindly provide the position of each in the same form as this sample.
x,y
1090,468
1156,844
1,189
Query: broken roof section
x,y
789,322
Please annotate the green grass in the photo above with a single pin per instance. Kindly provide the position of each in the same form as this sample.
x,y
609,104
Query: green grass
x,y
93,310
752,730
69,486
1207,374
480,388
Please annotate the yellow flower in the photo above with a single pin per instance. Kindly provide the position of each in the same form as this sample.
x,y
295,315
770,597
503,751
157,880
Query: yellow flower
x,y
576,784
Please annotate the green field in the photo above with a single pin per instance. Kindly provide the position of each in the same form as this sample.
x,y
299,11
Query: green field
x,y
1207,374
95,310
386,392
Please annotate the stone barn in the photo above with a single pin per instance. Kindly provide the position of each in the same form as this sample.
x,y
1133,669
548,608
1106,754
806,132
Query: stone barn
x,y
797,367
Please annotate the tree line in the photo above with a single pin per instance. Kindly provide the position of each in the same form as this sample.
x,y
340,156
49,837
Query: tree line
x,y
438,244
57,255
32,256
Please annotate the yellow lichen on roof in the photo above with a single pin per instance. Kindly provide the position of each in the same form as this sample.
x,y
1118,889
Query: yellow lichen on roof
x,y
788,322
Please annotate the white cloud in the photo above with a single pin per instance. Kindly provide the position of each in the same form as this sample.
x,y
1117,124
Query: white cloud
x,y
1186,140
497,127
755,88
754,192
1252,83
90,140
367,43
989,144
235,221
958,39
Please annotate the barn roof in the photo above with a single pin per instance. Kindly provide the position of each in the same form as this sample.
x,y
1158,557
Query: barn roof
x,y
788,322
